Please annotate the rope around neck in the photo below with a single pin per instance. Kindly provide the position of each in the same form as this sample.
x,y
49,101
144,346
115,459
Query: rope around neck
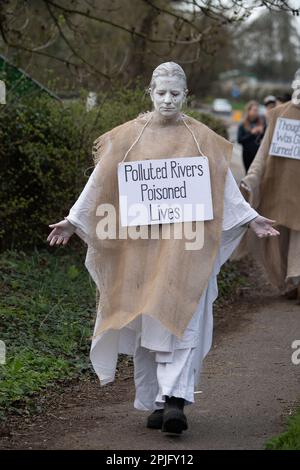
x,y
194,137
144,127
137,139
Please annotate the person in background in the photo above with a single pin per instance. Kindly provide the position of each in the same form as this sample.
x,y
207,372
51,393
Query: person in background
x,y
250,132
271,187
270,102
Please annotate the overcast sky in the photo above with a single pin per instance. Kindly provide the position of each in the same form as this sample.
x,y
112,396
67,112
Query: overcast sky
x,y
295,4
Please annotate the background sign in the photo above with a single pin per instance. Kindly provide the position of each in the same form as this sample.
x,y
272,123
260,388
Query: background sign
x,y
164,191
286,138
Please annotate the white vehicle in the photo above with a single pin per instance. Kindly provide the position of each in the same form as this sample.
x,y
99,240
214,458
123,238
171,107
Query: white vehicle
x,y
220,105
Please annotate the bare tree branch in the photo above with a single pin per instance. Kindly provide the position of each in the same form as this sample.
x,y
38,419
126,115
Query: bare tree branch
x,y
76,54
187,30
132,31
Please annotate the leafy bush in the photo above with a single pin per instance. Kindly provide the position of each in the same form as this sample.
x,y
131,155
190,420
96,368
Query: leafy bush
x,y
45,152
215,124
45,158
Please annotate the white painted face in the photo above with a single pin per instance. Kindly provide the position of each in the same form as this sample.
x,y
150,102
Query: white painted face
x,y
296,92
168,95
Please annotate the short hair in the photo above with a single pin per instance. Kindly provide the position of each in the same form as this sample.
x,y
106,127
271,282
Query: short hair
x,y
168,69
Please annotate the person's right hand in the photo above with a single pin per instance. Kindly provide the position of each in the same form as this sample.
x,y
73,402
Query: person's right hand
x,y
61,232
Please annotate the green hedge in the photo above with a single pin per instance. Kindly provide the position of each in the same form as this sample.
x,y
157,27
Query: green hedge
x,y
45,158
214,123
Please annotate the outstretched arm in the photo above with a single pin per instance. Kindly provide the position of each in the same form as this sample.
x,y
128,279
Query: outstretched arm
x,y
238,212
75,221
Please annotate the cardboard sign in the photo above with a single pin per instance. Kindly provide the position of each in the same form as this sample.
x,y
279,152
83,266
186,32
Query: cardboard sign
x,y
286,139
164,191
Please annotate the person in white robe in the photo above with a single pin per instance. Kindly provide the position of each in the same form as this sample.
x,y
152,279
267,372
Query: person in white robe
x,y
178,361
166,368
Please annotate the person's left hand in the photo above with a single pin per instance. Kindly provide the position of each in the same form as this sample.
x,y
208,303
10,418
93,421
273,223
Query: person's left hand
x,y
263,227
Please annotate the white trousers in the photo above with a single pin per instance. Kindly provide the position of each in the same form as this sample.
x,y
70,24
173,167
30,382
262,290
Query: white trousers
x,y
156,380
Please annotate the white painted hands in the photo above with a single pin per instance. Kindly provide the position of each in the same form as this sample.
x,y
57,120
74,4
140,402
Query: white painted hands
x,y
263,227
61,232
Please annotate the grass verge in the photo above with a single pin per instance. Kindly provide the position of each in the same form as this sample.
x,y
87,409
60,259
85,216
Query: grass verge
x,y
290,439
46,316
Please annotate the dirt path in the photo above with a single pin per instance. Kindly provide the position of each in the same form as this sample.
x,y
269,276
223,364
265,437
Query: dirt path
x,y
249,385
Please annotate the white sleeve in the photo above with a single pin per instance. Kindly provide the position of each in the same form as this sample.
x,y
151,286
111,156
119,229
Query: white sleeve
x,y
237,211
79,211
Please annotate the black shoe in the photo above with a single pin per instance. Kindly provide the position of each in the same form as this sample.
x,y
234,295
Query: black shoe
x,y
291,294
155,420
174,419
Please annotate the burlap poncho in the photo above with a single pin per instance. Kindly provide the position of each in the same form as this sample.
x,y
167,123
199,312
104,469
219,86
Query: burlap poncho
x,y
159,277
275,181
275,193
